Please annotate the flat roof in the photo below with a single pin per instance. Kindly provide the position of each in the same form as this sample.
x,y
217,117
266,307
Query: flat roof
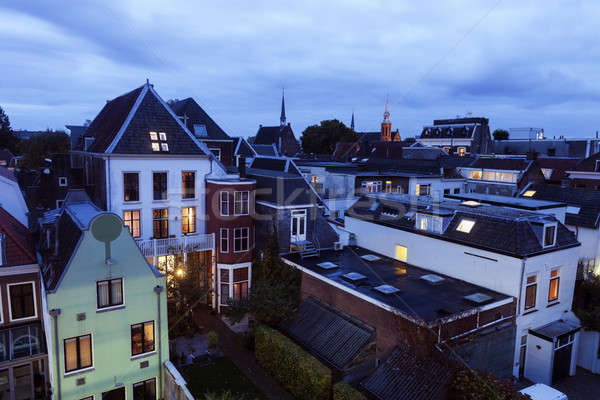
x,y
514,202
417,296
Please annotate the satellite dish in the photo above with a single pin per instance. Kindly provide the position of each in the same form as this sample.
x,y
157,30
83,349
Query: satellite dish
x,y
106,228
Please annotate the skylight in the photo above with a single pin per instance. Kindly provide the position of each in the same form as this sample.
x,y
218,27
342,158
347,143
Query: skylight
x,y
465,225
432,278
529,193
327,265
158,141
478,298
354,277
370,257
386,289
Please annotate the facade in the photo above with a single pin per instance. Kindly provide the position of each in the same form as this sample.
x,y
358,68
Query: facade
x,y
586,174
531,257
23,352
459,136
13,201
112,341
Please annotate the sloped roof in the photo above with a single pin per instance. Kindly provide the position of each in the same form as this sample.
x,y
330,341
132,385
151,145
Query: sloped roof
x,y
588,164
403,376
558,165
242,147
19,244
271,134
197,116
265,149
328,333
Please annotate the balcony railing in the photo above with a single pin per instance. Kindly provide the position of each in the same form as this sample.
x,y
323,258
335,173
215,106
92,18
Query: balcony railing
x,y
179,245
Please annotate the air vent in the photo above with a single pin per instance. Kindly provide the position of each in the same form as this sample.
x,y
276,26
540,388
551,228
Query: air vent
x,y
370,257
432,278
354,277
478,298
81,316
386,289
327,265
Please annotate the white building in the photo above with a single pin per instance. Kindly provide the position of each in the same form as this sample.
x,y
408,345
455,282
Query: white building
x,y
530,256
12,197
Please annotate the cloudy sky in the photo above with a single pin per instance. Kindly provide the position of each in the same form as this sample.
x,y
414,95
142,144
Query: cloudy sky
x,y
520,63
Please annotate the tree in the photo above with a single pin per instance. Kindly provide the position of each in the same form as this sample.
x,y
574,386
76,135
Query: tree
x,y
474,385
500,134
43,145
587,302
275,291
322,138
7,138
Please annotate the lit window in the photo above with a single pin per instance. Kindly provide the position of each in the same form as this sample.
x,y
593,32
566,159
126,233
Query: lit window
x,y
142,338
423,190
554,284
530,292
78,353
475,175
131,218
465,225
388,186
188,219
164,147
153,136
155,146
162,136
158,141
401,252
462,151
529,193
160,223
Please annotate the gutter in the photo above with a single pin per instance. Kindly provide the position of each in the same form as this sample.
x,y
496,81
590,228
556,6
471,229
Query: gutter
x,y
55,312
158,289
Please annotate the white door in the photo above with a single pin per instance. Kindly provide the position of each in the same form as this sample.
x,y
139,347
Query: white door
x,y
298,228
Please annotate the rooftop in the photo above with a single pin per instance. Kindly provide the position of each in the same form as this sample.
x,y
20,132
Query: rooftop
x,y
514,202
417,297
19,246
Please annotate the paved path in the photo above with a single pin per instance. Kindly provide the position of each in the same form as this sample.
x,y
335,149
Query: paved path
x,y
583,386
241,357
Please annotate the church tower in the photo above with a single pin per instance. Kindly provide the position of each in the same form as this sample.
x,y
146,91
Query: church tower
x,y
282,118
386,125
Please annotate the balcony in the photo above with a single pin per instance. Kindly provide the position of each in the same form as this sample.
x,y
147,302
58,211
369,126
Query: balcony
x,y
179,245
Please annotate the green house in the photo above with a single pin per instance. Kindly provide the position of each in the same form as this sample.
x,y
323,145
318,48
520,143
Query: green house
x,y
106,317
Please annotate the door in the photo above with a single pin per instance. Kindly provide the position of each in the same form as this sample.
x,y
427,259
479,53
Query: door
x,y
522,354
562,362
115,394
298,228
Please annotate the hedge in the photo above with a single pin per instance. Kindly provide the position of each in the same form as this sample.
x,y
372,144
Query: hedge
x,y
343,391
299,372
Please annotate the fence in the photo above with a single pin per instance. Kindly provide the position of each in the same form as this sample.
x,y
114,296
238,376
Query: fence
x,y
175,385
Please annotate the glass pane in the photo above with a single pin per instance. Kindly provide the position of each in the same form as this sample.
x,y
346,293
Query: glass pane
x,y
151,389
4,385
116,288
553,291
35,339
85,351
530,296
301,221
3,346
102,288
136,339
20,342
224,275
149,336
138,391
23,382
70,354
240,274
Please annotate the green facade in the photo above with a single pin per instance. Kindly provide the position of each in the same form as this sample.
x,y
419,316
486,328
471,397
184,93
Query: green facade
x,y
113,364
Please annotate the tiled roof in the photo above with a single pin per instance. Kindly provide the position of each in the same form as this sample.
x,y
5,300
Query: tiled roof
x,y
265,149
403,376
558,166
197,116
19,244
512,164
328,333
271,134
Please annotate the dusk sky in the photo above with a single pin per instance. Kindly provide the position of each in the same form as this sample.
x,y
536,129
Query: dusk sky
x,y
519,63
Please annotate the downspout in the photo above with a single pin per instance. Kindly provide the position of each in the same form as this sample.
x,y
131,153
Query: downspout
x,y
158,290
518,312
214,255
109,199
55,312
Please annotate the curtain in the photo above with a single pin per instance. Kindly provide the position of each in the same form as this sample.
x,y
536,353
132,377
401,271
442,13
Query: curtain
x,y
70,354
148,336
116,288
85,351
103,300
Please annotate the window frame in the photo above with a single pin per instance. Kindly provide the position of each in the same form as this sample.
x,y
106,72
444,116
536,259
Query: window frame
x,y
420,186
143,353
112,306
241,202
160,140
218,152
557,279
125,190
230,283
241,238
183,186
221,230
139,222
63,181
144,385
154,184
527,285
221,202
154,220
554,226
191,222
92,358
9,298
401,252
468,225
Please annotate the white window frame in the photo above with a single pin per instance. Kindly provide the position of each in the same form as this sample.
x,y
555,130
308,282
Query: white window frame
x,y
221,240
78,371
139,186
63,181
221,203
230,268
140,221
235,201
59,203
35,314
555,225
216,152
537,288
419,186
122,295
550,279
241,229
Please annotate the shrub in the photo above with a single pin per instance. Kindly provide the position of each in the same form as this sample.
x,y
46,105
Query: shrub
x,y
468,385
343,391
212,339
299,372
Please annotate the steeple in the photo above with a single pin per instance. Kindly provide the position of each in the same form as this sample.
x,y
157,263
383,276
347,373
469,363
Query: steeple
x,y
386,114
282,118
352,122
386,125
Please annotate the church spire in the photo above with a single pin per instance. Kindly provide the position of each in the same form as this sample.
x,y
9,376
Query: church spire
x,y
386,114
352,122
282,118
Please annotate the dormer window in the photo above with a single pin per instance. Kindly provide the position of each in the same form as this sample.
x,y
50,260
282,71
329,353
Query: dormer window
x,y
159,142
549,235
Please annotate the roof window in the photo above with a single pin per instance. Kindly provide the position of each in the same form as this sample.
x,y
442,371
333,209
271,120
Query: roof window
x,y
159,142
573,209
432,278
370,257
354,277
529,193
478,298
327,265
549,235
465,225
471,203
386,289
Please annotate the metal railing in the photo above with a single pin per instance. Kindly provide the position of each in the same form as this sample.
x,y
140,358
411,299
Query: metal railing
x,y
178,245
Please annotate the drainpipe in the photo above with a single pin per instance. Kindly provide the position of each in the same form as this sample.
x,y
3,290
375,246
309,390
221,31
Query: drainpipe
x,y
521,287
54,313
158,289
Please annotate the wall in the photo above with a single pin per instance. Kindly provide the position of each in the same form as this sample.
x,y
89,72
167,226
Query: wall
x,y
111,340
589,351
590,243
437,185
538,364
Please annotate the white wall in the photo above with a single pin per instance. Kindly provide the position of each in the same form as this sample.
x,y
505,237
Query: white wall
x,y
12,200
538,361
590,243
589,341
437,185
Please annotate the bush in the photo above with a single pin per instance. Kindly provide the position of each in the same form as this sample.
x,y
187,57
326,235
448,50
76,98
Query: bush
x,y
468,385
299,372
212,339
343,391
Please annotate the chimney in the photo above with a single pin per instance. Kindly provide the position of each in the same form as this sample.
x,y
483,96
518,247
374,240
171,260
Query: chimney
x,y
242,166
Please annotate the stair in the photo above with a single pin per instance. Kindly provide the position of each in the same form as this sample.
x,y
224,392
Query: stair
x,y
309,250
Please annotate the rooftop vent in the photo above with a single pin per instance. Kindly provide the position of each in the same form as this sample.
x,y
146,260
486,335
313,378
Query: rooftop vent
x,y
370,257
432,278
354,277
327,265
478,298
386,289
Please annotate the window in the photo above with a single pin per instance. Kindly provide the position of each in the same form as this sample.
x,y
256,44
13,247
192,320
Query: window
x,y
388,186
530,292
549,235
432,223
188,219
78,353
462,151
554,285
217,153
142,338
200,130
59,203
597,166
240,283
160,185
401,252
224,203
446,191
145,390
188,181
159,142
224,233
371,186
529,193
115,394
465,225
132,221
131,186
475,175
62,181
240,239
456,190
224,277
109,293
22,301
241,203
423,190
160,222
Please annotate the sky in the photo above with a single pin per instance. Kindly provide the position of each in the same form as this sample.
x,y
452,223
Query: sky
x,y
519,63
